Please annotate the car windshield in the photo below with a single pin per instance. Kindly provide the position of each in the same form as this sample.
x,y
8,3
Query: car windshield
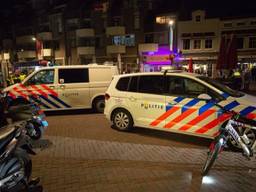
x,y
221,87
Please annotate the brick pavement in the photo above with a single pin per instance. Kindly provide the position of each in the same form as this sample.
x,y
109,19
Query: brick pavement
x,y
72,164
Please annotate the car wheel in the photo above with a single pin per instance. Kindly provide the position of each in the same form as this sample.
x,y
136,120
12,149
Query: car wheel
x,y
251,135
122,120
99,105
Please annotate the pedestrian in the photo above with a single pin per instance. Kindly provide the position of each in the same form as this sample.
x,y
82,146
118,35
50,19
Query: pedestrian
x,y
237,80
247,80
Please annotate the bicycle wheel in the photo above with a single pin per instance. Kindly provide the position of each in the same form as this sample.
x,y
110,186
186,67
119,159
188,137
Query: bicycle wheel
x,y
215,148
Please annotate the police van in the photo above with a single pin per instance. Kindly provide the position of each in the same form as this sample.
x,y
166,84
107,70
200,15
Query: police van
x,y
65,87
172,101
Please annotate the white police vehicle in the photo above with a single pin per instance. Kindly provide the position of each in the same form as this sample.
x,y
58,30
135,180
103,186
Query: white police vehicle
x,y
170,101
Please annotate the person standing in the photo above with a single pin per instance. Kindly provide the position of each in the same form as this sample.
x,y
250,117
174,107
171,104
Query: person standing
x,y
237,80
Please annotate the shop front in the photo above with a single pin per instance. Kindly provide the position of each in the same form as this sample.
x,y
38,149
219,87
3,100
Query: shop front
x,y
156,60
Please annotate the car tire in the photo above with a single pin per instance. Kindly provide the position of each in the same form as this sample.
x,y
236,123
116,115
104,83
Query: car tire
x,y
122,120
99,105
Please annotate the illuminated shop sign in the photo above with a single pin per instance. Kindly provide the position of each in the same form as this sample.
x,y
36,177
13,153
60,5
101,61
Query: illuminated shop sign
x,y
127,40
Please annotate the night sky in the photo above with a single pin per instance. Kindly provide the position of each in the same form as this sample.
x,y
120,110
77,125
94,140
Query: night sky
x,y
214,8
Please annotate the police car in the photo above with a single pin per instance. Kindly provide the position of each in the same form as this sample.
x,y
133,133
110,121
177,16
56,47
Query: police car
x,y
172,101
65,87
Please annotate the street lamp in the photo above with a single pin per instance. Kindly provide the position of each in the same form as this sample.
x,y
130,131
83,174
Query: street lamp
x,y
171,24
33,39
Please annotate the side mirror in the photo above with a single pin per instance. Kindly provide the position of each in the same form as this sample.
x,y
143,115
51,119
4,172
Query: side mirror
x,y
61,81
205,97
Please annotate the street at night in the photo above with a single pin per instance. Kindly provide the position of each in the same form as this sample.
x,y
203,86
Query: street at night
x,y
127,96
82,152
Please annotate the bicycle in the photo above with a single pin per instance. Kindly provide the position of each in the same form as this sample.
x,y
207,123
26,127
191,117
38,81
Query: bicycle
x,y
229,130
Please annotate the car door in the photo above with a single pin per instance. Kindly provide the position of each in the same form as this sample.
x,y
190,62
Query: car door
x,y
146,99
185,113
42,88
73,88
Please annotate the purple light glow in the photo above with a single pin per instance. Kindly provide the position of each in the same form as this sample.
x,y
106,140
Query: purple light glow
x,y
159,63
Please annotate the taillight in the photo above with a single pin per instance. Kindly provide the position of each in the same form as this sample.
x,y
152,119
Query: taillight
x,y
107,96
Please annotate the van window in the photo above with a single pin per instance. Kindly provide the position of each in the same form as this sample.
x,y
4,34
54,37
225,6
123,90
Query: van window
x,y
153,84
122,84
42,77
79,75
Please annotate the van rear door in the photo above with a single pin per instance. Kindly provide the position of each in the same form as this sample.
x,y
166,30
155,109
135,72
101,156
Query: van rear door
x,y
73,87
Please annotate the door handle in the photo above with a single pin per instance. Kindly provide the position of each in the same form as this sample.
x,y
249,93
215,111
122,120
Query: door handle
x,y
172,102
132,99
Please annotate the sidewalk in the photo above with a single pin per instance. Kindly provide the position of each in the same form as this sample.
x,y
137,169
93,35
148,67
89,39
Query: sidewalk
x,y
81,165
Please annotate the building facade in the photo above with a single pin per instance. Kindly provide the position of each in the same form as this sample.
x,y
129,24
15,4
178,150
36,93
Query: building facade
x,y
200,37
128,33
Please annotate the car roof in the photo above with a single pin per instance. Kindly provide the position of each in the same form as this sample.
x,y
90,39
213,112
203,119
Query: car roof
x,y
175,73
79,66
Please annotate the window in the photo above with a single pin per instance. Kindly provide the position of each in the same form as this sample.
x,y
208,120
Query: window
x,y
208,43
240,24
184,87
136,20
73,75
122,84
252,42
149,38
227,24
253,22
133,84
240,43
198,18
186,44
151,84
221,87
197,44
42,77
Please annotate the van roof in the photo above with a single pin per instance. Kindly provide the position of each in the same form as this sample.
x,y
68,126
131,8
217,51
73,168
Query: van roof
x,y
80,66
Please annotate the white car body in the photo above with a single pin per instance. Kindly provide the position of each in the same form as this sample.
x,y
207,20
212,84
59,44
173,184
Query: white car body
x,y
175,113
65,87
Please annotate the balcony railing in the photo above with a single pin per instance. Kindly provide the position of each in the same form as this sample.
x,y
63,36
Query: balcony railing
x,y
87,32
86,50
116,49
45,36
116,30
26,54
24,39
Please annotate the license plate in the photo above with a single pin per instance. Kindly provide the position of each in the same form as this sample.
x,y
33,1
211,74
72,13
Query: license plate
x,y
45,123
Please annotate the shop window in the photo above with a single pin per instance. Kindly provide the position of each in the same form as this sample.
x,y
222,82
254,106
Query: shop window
x,y
186,44
74,75
197,44
252,42
240,43
208,43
